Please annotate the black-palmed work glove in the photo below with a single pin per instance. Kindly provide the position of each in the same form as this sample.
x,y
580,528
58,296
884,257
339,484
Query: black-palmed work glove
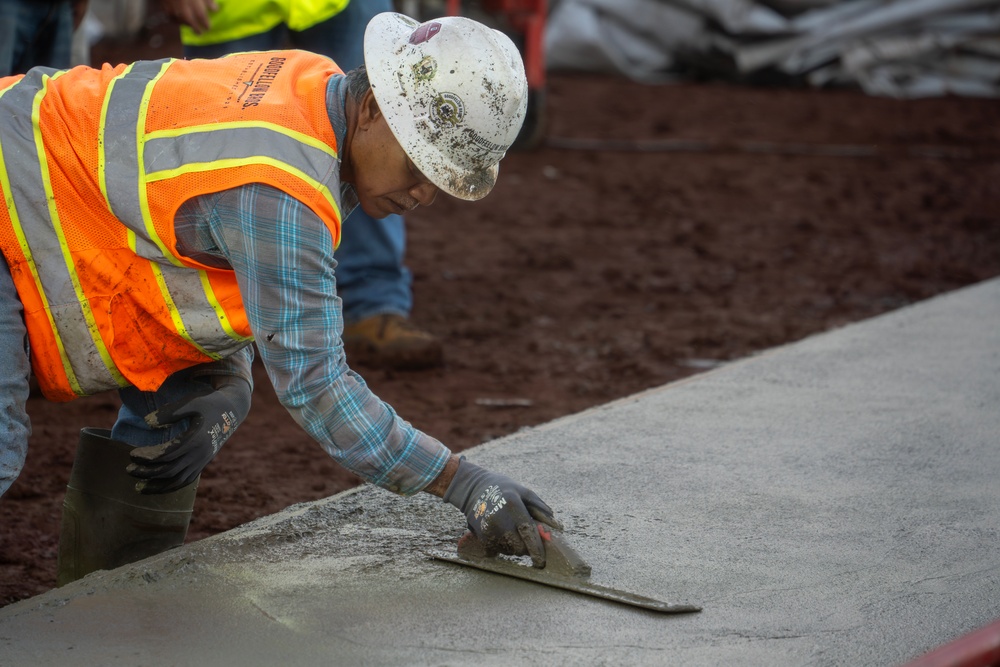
x,y
213,414
501,512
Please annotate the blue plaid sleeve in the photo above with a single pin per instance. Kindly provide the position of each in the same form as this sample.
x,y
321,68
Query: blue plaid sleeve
x,y
282,254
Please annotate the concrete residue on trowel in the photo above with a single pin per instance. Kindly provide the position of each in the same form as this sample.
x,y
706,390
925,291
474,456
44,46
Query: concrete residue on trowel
x,y
560,558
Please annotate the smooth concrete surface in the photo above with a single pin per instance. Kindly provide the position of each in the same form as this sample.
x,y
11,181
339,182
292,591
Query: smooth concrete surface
x,y
831,502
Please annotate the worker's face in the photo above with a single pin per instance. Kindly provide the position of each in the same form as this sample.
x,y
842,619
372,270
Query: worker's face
x,y
384,178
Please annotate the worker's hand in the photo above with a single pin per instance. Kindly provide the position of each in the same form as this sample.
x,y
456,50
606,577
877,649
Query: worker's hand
x,y
79,10
194,13
501,512
213,414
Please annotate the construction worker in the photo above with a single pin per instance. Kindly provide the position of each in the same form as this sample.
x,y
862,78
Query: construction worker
x,y
372,279
162,215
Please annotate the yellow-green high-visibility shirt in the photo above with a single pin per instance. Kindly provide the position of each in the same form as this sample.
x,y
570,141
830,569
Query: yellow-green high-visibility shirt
x,y
237,19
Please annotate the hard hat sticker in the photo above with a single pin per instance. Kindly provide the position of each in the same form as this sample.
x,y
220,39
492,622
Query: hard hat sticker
x,y
425,69
454,93
425,32
447,108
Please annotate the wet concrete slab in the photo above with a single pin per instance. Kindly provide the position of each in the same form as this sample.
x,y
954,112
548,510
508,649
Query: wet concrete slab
x,y
834,501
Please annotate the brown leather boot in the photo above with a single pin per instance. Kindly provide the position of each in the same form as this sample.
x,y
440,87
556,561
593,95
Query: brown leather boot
x,y
391,341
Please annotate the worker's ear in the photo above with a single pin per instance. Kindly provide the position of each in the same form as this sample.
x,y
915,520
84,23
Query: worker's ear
x,y
368,112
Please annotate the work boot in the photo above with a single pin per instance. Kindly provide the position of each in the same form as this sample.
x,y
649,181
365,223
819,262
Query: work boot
x,y
391,341
106,522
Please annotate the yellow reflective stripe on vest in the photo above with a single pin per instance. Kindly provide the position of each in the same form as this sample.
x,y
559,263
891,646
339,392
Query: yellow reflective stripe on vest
x,y
171,153
54,220
159,272
175,313
118,162
140,143
201,148
19,232
124,148
236,162
223,318
59,280
102,172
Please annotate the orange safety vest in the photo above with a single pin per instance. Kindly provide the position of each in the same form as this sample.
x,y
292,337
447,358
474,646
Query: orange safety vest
x,y
93,167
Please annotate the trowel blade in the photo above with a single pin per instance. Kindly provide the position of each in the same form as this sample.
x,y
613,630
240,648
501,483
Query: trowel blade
x,y
575,584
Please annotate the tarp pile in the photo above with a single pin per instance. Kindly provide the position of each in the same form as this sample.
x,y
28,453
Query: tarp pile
x,y
899,48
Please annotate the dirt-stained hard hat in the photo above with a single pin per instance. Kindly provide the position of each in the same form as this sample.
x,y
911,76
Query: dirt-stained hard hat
x,y
453,92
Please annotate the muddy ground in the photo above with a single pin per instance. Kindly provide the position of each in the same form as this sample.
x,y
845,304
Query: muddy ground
x,y
683,226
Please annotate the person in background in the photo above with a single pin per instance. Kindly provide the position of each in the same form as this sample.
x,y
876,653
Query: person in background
x,y
372,278
37,33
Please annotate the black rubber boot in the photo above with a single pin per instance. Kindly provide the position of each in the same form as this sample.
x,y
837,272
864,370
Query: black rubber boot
x,y
106,522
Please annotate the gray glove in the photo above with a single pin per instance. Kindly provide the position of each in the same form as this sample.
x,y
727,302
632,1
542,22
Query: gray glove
x,y
501,512
213,414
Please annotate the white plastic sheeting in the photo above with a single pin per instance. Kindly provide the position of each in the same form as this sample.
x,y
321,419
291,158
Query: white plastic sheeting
x,y
899,48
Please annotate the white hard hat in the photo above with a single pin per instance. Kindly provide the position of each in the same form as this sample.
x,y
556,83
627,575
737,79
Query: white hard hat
x,y
454,93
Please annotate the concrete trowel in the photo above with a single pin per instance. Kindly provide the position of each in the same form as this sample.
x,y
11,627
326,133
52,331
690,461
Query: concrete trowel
x,y
564,568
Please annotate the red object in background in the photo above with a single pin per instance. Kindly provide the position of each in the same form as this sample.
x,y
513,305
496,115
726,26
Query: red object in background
x,y
980,648
527,17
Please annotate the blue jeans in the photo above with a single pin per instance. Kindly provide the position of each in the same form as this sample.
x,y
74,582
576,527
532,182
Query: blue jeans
x,y
371,277
15,367
33,33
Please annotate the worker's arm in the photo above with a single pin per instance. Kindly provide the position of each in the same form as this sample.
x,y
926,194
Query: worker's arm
x,y
282,255
79,10
194,13
285,267
441,483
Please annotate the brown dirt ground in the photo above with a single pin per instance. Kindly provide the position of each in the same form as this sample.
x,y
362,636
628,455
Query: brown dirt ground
x,y
593,274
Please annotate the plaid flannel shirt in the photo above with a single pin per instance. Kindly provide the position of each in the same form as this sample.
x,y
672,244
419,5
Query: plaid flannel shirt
x,y
282,255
